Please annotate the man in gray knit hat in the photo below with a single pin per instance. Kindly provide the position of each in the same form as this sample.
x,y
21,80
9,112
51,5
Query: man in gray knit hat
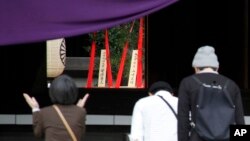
x,y
206,65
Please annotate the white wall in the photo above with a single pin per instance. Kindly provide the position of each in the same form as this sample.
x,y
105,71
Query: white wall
x,y
91,119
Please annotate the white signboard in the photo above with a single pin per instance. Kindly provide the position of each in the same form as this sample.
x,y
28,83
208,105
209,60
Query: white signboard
x,y
102,69
133,69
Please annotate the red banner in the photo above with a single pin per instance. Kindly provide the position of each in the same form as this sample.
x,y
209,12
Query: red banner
x,y
91,64
139,82
123,58
121,67
109,71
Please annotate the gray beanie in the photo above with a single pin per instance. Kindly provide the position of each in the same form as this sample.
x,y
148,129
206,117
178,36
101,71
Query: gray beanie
x,y
205,57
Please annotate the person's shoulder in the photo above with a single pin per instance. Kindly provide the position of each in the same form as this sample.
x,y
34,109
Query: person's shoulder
x,y
143,100
47,108
175,97
73,108
78,110
63,108
229,80
81,109
142,103
187,79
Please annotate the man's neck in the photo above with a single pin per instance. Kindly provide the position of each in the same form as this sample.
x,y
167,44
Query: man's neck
x,y
207,70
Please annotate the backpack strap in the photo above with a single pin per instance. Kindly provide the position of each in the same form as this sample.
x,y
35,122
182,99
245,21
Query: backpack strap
x,y
168,105
228,96
196,79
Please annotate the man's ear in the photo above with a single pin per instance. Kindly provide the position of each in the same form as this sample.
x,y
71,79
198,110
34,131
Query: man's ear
x,y
217,69
196,70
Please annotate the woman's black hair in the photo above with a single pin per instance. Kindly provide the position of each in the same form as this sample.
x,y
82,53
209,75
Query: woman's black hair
x,y
63,90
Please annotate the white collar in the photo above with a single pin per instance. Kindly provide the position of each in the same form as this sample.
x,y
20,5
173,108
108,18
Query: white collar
x,y
163,93
206,70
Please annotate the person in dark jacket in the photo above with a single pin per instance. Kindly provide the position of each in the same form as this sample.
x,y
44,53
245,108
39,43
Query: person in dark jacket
x,y
46,121
206,65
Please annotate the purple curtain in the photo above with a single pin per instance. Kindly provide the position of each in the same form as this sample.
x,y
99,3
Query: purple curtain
x,y
27,21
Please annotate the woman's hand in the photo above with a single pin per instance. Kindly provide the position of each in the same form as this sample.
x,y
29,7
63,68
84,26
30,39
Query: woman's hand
x,y
31,101
81,102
